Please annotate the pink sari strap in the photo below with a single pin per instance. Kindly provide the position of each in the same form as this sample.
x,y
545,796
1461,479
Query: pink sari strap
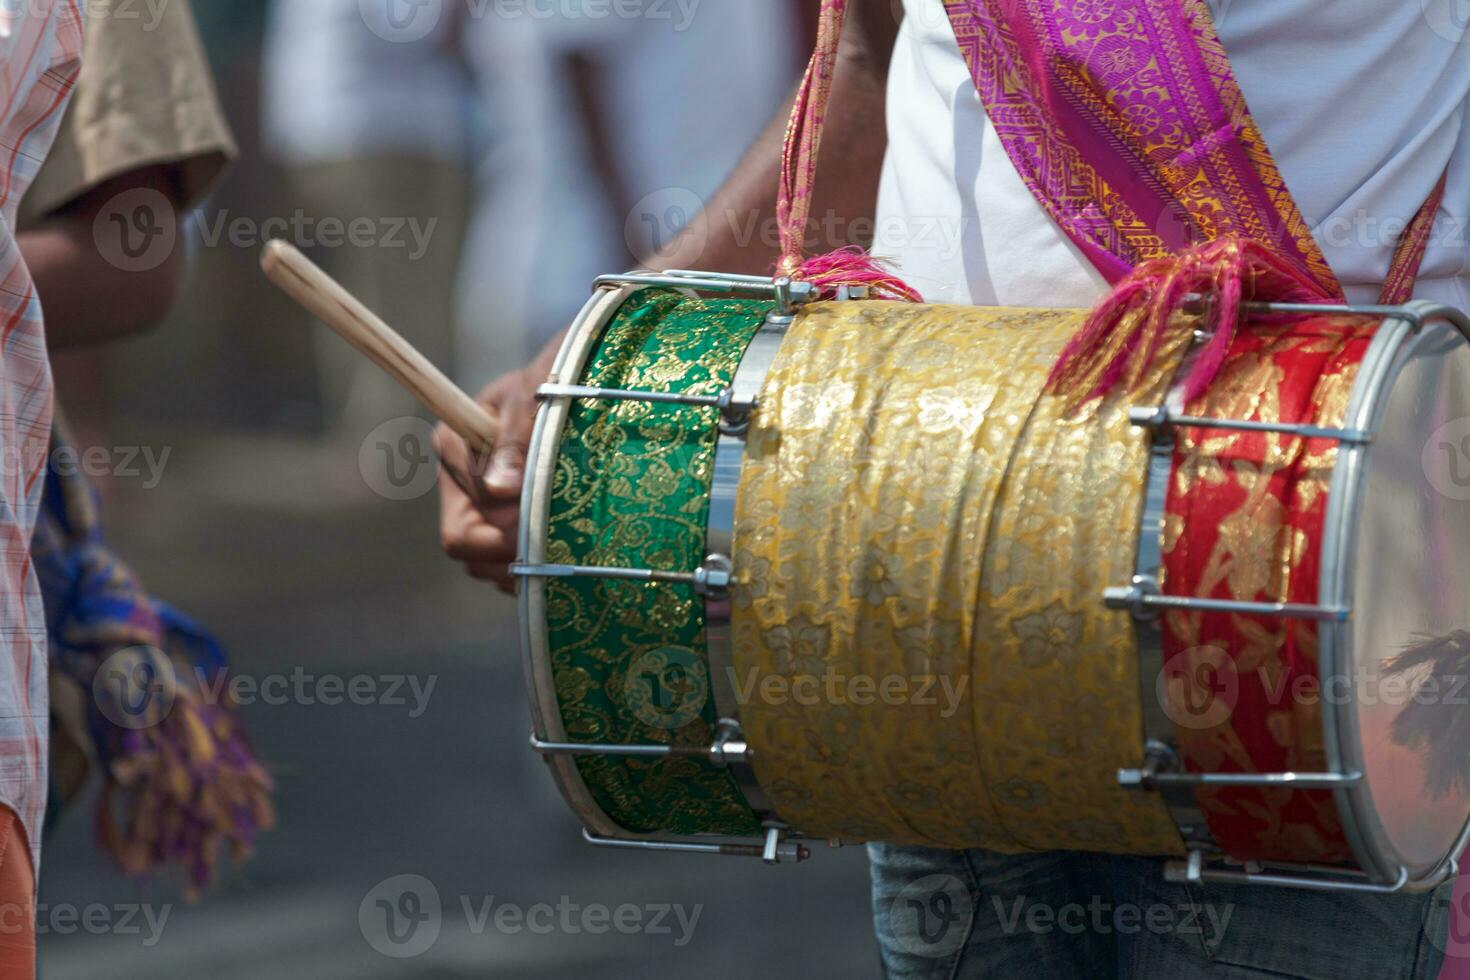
x,y
1409,256
804,138
849,266
1128,125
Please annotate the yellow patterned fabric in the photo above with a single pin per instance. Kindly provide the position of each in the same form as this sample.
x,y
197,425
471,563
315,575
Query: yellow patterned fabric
x,y
922,539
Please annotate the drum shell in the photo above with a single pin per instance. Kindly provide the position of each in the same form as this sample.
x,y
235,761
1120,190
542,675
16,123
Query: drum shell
x,y
1352,837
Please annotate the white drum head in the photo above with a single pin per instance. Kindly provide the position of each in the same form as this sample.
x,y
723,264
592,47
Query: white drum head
x,y
1405,721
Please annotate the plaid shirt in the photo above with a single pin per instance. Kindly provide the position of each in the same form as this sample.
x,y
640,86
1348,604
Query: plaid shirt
x,y
40,51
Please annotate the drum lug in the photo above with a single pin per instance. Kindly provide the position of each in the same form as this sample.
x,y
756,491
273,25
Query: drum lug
x,y
1158,759
730,747
712,579
778,850
1135,598
735,413
1194,867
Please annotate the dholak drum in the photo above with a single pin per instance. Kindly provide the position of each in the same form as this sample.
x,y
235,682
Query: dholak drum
x,y
844,570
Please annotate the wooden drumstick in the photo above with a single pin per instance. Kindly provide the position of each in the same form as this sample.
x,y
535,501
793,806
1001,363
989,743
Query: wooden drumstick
x,y
305,282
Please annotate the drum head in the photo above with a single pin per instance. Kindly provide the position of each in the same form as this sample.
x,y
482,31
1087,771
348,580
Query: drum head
x,y
1403,708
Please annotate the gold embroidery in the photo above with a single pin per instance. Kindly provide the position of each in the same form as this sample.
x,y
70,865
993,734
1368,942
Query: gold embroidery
x,y
914,513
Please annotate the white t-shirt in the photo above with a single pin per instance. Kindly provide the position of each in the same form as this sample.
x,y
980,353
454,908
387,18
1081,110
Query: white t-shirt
x,y
1363,103
350,78
689,87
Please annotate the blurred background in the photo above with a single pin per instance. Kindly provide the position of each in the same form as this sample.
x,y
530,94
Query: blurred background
x,y
467,167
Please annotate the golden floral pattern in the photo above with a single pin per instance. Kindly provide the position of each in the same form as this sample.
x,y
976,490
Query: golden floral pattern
x,y
902,476
632,489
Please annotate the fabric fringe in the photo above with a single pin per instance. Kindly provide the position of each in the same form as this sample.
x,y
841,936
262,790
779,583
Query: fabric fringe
x,y
181,782
853,266
849,266
1142,316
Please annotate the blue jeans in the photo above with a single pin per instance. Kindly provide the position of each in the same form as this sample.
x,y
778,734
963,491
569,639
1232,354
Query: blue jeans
x,y
957,915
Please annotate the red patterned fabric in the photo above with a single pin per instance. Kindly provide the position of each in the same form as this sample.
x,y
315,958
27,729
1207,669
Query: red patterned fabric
x,y
1244,521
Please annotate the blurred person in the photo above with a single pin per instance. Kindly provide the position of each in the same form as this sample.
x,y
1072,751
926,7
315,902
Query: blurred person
x,y
942,156
596,159
143,140
369,125
232,33
40,47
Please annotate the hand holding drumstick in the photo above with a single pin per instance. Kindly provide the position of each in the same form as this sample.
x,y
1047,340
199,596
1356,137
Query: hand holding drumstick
x,y
481,444
302,280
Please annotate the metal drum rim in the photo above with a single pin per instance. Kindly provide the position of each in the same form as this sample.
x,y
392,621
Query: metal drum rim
x,y
750,377
1380,370
543,451
541,456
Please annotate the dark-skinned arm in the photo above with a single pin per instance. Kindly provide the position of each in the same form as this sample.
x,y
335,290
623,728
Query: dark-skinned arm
x,y
735,233
88,299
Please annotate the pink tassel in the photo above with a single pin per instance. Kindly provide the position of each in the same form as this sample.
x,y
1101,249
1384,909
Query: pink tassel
x,y
1230,271
852,266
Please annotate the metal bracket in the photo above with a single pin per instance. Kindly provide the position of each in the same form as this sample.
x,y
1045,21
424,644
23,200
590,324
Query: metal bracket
x,y
1144,595
1323,878
729,748
1197,304
774,849
786,294
1159,418
710,579
1162,767
734,412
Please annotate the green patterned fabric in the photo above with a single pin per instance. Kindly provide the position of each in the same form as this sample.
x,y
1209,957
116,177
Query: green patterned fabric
x,y
632,489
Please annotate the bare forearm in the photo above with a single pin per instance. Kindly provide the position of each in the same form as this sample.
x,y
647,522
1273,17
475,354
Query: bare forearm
x,y
88,298
737,231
